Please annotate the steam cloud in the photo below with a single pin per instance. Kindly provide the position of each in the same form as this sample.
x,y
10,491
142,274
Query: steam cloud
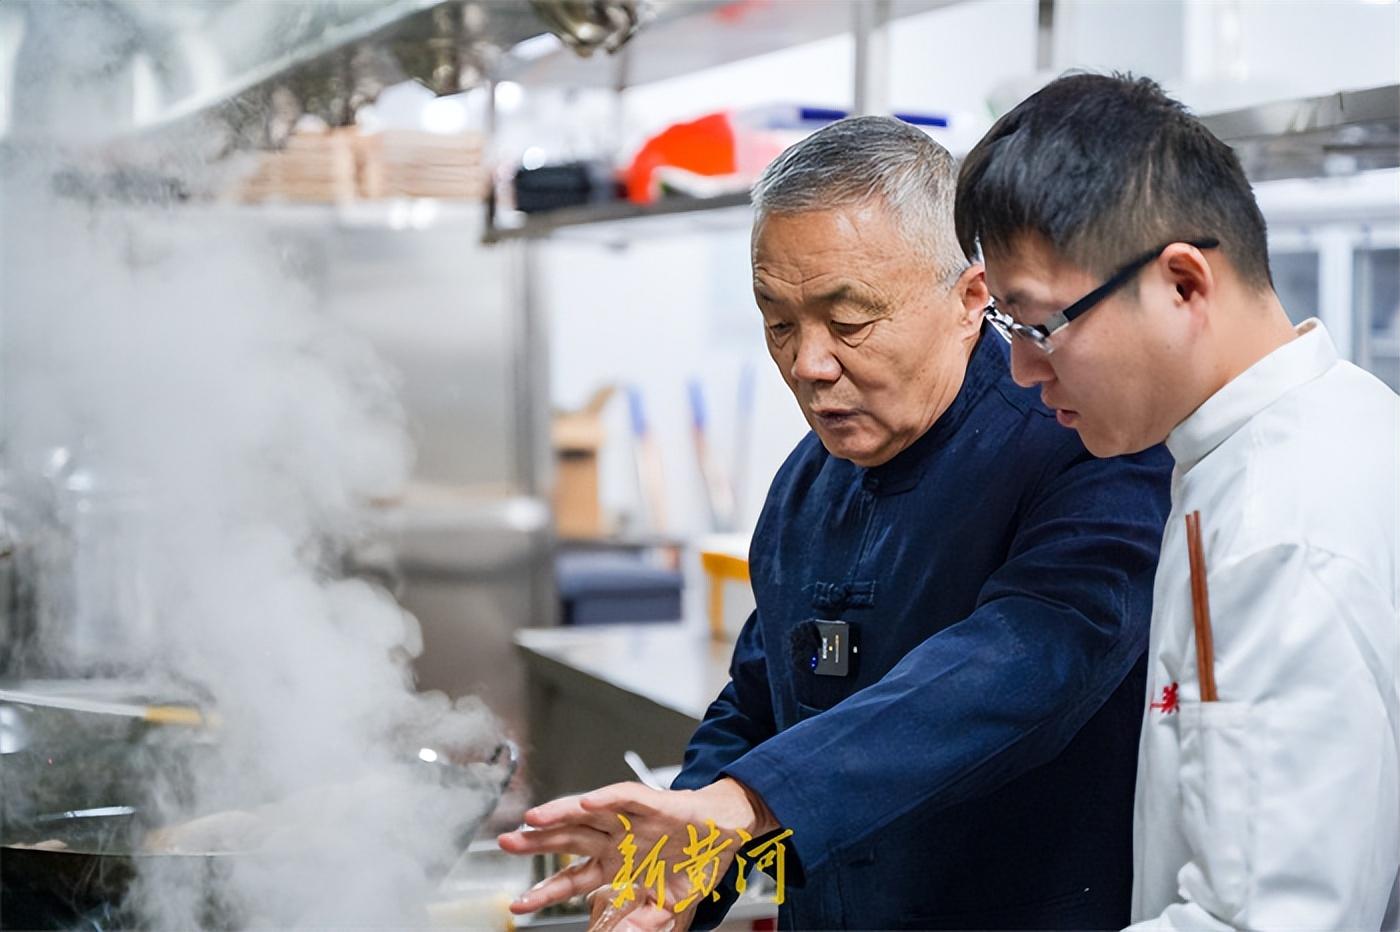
x,y
229,435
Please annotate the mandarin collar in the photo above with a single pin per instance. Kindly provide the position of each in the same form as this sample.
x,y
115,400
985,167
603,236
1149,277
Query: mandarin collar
x,y
1298,361
985,366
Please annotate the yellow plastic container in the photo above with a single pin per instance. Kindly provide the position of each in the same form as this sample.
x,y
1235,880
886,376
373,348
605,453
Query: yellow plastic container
x,y
730,592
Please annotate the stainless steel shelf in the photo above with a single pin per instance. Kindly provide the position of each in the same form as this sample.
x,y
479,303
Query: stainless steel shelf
x,y
1335,134
625,220
691,35
684,37
225,59
403,213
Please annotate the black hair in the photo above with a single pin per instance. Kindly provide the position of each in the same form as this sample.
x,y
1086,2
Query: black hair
x,y
1105,167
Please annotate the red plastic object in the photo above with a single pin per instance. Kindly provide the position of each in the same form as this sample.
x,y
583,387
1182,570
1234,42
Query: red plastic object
x,y
704,146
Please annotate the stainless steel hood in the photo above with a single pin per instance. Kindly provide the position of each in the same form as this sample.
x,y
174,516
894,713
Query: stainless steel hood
x,y
91,69
1336,134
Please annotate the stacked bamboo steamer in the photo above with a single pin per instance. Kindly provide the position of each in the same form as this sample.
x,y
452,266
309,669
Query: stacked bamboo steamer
x,y
401,163
343,165
310,168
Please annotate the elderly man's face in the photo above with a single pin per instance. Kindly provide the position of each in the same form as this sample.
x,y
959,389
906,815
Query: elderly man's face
x,y
872,345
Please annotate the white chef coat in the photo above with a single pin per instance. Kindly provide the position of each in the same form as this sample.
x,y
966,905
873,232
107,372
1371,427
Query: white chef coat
x,y
1279,805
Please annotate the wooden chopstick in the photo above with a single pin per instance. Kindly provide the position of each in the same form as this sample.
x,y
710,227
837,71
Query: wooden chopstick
x,y
1200,608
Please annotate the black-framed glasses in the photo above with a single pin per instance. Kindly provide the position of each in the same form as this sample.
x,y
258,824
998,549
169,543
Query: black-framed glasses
x,y
1039,334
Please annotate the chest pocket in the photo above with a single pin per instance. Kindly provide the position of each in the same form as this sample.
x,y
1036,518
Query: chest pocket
x,y
1217,802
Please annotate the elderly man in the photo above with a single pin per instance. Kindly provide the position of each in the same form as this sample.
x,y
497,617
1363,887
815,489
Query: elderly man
x,y
939,691
1130,262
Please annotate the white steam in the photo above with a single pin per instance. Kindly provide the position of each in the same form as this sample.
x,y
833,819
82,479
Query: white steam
x,y
188,376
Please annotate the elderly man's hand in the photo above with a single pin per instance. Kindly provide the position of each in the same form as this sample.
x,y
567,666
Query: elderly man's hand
x,y
593,825
637,915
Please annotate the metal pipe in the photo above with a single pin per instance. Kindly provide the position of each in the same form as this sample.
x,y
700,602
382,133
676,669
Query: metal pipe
x,y
1045,35
871,41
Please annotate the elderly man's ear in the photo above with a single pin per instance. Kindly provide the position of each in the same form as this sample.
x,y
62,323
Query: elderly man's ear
x,y
971,290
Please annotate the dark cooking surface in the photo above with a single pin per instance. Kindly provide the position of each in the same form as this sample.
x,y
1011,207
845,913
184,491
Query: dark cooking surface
x,y
84,884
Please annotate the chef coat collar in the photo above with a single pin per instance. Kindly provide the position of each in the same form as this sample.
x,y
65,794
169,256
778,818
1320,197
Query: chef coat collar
x,y
986,364
1296,362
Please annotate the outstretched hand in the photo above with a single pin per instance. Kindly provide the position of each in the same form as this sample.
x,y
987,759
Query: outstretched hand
x,y
650,856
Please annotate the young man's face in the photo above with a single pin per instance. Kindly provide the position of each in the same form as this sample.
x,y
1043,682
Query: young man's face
x,y
1115,374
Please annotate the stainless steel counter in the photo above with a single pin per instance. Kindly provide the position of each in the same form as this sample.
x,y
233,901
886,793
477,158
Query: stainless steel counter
x,y
666,663
596,692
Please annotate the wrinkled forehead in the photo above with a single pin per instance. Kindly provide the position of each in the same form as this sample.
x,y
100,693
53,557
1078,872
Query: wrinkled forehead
x,y
857,223
863,242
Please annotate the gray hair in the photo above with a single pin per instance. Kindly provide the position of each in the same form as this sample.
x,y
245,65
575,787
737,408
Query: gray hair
x,y
856,160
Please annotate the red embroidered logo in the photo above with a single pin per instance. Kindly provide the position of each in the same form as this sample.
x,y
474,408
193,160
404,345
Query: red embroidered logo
x,y
1168,703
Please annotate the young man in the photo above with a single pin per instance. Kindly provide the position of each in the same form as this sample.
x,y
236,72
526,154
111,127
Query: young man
x,y
1128,265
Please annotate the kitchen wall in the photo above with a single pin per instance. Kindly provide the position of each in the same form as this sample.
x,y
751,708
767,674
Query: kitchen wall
x,y
1223,54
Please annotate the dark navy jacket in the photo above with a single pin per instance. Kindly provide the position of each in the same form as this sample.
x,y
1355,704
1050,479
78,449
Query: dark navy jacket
x,y
976,771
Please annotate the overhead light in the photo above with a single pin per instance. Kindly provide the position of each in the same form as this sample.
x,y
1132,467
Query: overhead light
x,y
508,96
444,115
